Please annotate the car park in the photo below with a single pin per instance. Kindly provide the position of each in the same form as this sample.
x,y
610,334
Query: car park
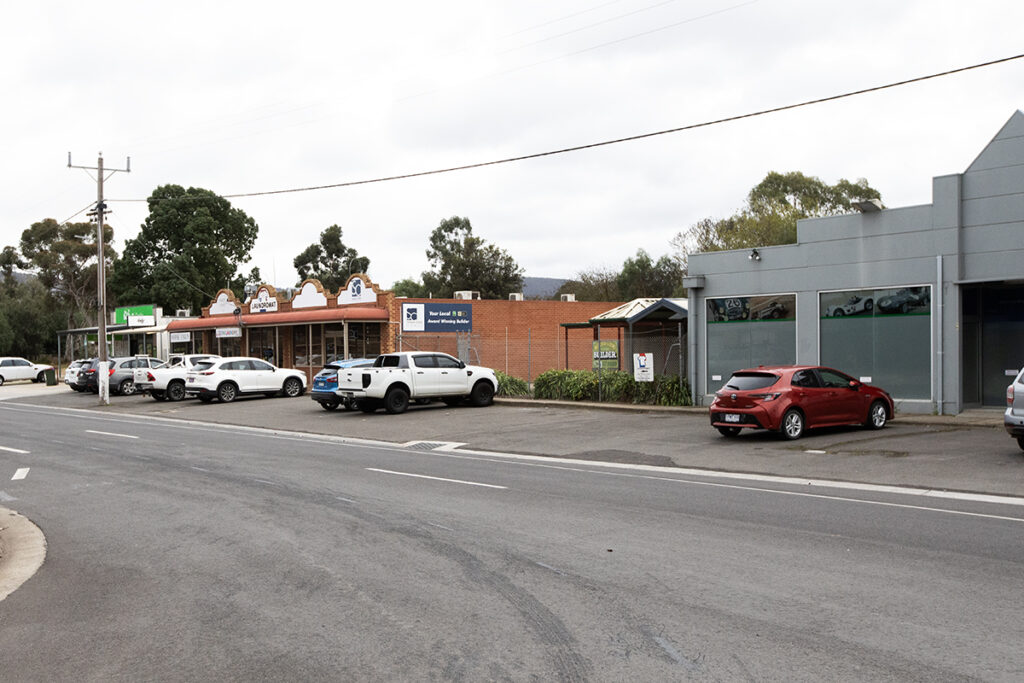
x,y
790,399
228,378
325,383
13,368
1013,418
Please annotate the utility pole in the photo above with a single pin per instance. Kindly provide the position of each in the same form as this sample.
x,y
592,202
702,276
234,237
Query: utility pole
x,y
102,377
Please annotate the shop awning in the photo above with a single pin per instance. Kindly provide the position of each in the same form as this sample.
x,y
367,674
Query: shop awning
x,y
323,315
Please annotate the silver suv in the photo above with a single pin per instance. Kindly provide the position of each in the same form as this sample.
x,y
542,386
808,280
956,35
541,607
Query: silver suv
x,y
1013,418
122,372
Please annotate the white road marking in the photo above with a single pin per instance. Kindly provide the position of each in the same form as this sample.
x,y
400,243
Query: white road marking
x,y
20,473
123,436
201,469
423,476
13,450
816,452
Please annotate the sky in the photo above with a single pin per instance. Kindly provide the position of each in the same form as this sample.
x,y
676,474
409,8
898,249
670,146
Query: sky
x,y
248,97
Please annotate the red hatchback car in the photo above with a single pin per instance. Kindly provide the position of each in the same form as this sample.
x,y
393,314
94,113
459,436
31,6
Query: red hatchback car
x,y
792,398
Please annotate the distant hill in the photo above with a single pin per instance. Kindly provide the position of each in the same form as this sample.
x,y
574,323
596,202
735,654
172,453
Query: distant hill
x,y
541,287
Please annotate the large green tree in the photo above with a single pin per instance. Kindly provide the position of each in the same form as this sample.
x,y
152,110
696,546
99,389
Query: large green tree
x,y
460,260
330,261
64,257
30,316
771,211
643,277
189,247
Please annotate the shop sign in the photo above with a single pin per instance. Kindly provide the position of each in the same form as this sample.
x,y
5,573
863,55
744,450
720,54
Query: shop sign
x,y
643,367
263,303
428,317
181,337
141,320
122,313
229,332
606,355
357,292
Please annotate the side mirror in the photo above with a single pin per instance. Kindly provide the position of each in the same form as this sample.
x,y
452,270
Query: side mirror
x,y
854,384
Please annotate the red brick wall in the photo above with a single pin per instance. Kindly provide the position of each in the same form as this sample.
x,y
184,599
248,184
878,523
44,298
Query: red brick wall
x,y
520,338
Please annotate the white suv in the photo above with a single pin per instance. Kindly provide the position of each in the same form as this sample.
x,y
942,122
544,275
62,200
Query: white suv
x,y
13,368
227,378
1013,418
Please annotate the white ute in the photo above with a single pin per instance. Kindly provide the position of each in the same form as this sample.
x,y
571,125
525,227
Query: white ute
x,y
395,378
168,382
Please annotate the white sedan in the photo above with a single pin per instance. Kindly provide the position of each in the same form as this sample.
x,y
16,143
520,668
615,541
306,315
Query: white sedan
x,y
13,368
228,378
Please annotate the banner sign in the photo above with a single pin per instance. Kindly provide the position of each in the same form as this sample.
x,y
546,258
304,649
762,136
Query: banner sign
x,y
229,332
181,337
643,367
443,317
121,314
141,320
606,355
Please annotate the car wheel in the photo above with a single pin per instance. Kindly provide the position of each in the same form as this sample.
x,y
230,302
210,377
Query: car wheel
x,y
292,387
227,392
175,391
39,378
126,388
396,400
482,394
158,395
729,431
868,305
205,399
792,424
876,416
838,313
1,380
328,406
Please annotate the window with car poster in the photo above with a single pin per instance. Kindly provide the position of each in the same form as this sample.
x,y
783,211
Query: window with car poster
x,y
747,331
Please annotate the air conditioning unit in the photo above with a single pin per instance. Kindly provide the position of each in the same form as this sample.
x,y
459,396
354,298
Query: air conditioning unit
x,y
515,296
568,297
183,313
467,294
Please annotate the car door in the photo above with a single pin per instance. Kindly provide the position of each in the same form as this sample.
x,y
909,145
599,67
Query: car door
x,y
451,377
263,376
425,375
24,369
844,401
811,397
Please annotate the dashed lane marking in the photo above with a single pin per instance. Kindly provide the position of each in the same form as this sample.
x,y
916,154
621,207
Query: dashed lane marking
x,y
424,476
14,450
20,473
122,436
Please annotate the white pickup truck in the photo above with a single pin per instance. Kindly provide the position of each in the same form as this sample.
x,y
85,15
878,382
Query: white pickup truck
x,y
168,381
395,378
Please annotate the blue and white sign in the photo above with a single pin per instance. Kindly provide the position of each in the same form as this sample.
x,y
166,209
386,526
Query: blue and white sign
x,y
428,317
357,292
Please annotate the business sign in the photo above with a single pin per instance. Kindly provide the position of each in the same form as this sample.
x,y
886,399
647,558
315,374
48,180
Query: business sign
x,y
121,314
141,320
643,367
430,317
229,332
357,292
263,303
606,355
181,337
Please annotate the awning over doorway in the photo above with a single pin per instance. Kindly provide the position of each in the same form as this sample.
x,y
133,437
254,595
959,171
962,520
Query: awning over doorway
x,y
323,315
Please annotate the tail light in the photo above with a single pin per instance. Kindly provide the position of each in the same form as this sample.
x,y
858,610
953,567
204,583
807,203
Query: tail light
x,y
766,397
331,378
150,377
1009,395
110,372
207,372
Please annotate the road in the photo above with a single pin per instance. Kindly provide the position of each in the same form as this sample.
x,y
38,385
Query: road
x,y
187,551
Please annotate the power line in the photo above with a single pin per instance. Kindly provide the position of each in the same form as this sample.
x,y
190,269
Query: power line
x,y
631,138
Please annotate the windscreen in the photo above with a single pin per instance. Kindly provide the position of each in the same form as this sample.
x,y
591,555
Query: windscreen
x,y
745,381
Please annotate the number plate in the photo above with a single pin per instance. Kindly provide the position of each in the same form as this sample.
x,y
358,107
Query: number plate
x,y
191,379
732,417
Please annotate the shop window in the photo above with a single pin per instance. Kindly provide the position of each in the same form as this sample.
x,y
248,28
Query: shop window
x,y
884,334
261,343
300,343
747,331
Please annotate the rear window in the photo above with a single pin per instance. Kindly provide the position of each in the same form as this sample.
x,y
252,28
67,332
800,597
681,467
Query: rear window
x,y
745,381
205,365
387,362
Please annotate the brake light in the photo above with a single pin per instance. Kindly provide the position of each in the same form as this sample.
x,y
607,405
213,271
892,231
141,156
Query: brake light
x,y
331,378
766,397
1009,395
110,371
206,372
150,377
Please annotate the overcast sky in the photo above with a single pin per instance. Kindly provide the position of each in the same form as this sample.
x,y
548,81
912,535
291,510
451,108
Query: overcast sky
x,y
241,97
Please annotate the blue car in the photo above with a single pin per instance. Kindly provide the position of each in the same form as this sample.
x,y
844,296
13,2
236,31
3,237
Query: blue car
x,y
325,383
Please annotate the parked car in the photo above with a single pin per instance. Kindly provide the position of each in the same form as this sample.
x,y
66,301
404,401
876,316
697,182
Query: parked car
x,y
122,372
167,382
1013,418
13,368
790,399
227,378
71,373
325,383
86,378
855,304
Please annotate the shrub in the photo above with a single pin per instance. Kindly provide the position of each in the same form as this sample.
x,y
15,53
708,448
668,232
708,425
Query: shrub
x,y
616,387
511,386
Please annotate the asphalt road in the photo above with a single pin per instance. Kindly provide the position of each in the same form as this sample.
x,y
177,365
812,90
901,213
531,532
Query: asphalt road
x,y
184,551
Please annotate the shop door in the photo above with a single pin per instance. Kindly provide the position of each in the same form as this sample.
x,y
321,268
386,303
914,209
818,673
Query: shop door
x,y
993,341
334,346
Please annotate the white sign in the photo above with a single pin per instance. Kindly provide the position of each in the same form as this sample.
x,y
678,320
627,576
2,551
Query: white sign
x,y
357,292
413,318
229,332
263,303
643,367
181,337
141,320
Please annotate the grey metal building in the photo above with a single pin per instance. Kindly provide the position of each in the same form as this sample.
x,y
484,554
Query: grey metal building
x,y
925,301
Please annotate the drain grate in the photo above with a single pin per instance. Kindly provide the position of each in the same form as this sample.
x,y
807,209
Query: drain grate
x,y
426,445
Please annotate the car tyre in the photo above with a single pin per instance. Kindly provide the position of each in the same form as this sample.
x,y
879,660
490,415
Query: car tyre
x,y
792,424
729,431
877,416
482,394
126,388
328,406
396,401
175,391
292,387
1,380
227,392
838,313
39,378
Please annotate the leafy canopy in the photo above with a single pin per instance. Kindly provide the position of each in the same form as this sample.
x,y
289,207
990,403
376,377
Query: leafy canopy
x,y
330,261
462,261
189,247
